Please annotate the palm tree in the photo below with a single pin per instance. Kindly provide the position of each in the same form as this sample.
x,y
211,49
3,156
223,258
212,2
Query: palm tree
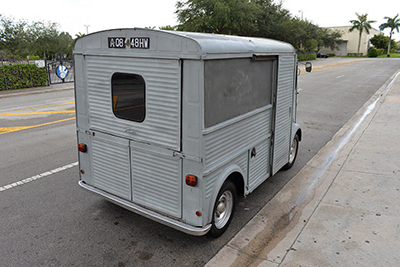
x,y
79,35
393,24
361,24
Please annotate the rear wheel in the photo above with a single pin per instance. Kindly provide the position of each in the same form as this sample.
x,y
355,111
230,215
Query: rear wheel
x,y
293,153
224,208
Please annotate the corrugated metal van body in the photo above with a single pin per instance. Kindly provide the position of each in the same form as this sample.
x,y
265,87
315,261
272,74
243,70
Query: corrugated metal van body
x,y
111,165
156,179
284,112
161,126
235,139
141,164
128,156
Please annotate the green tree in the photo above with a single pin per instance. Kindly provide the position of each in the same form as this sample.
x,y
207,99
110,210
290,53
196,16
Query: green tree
x,y
329,39
361,24
44,38
13,39
257,18
168,28
271,21
309,37
65,44
303,34
393,24
79,35
237,17
20,39
380,41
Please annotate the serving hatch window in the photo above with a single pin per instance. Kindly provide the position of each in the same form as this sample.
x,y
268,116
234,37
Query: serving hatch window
x,y
128,96
236,86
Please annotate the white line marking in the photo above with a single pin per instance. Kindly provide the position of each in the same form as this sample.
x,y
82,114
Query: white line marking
x,y
33,178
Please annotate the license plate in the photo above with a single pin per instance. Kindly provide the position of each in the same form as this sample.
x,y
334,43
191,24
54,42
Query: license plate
x,y
133,42
116,42
140,42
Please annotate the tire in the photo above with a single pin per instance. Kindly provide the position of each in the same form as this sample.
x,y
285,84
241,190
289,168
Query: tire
x,y
224,209
293,153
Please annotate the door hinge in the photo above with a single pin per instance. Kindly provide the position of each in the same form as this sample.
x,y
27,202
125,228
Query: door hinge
x,y
184,156
178,154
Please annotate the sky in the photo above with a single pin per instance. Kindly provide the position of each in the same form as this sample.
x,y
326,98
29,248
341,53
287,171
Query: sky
x,y
85,16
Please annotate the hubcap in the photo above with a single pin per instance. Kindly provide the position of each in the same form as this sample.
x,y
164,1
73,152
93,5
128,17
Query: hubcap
x,y
293,150
223,210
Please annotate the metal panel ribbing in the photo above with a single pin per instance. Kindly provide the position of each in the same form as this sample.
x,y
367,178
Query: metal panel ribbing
x,y
259,168
156,181
284,102
229,145
212,178
162,80
111,167
236,138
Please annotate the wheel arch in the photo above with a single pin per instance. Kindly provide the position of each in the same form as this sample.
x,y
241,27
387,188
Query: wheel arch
x,y
231,173
296,130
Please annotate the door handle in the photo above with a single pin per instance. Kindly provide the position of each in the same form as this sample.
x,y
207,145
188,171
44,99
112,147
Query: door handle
x,y
253,153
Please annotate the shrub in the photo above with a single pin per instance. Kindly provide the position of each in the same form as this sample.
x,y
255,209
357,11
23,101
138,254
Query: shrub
x,y
22,76
306,57
34,57
384,51
373,53
381,51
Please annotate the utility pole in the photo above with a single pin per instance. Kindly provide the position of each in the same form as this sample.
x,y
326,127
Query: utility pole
x,y
301,11
301,43
87,29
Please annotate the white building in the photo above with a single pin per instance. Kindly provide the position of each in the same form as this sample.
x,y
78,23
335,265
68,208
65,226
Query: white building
x,y
349,45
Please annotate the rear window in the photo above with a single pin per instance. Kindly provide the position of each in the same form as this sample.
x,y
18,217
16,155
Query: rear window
x,y
128,96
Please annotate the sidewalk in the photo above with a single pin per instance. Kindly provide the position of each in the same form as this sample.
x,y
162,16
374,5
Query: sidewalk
x,y
37,90
342,208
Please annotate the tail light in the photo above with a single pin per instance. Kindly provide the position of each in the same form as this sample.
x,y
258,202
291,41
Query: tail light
x,y
82,148
191,180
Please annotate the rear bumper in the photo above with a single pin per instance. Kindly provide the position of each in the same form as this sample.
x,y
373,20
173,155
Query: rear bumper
x,y
183,227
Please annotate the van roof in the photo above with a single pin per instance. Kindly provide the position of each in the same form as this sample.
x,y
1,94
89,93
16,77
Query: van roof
x,y
180,44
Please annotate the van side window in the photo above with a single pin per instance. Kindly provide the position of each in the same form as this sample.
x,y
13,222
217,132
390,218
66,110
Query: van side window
x,y
128,96
234,87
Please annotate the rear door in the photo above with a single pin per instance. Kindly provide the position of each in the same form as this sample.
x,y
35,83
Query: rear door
x,y
138,100
283,112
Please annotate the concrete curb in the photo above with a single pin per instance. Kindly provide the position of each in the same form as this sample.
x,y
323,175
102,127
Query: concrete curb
x,y
269,237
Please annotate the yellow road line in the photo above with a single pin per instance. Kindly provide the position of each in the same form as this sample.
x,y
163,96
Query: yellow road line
x,y
338,64
38,113
46,106
4,130
332,65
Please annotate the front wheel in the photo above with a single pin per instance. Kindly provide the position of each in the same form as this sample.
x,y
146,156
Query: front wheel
x,y
224,208
293,153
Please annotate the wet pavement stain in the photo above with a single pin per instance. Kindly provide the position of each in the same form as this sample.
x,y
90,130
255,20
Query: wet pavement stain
x,y
145,256
265,239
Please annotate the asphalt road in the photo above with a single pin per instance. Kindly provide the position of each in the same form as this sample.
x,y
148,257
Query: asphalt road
x,y
47,220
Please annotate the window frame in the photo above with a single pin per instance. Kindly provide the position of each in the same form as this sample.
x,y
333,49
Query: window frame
x,y
222,96
113,105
